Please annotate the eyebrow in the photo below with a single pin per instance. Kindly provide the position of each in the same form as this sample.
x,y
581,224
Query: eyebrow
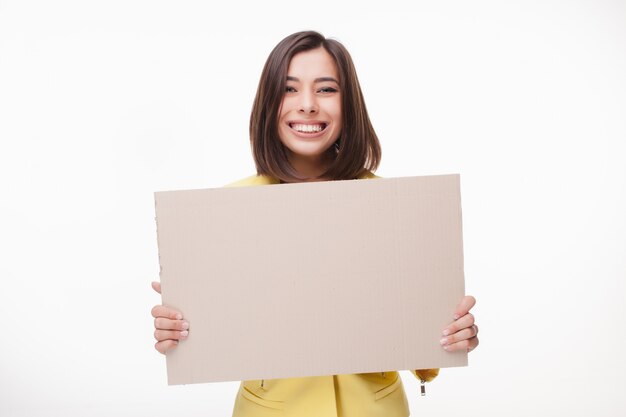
x,y
317,80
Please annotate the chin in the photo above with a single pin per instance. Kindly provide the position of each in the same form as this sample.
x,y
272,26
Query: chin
x,y
308,151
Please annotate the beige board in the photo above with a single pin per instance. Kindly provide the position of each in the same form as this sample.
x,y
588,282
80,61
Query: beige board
x,y
293,280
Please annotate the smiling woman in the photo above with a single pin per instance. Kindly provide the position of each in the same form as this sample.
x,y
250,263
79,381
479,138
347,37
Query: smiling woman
x,y
309,123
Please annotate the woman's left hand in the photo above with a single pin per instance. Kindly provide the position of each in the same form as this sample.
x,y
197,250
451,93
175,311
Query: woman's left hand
x,y
461,333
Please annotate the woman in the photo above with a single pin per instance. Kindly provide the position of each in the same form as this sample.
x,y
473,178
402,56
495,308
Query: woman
x,y
309,123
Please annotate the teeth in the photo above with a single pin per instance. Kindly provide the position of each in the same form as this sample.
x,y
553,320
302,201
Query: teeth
x,y
307,128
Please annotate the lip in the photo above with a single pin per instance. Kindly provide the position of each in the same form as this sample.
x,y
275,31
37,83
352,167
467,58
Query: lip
x,y
307,122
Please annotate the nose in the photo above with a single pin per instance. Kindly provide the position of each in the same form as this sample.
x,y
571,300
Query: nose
x,y
308,103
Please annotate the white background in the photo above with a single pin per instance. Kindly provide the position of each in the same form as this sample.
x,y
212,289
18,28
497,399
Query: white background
x,y
104,102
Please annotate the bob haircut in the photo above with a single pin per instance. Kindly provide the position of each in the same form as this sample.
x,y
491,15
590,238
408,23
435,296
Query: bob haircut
x,y
356,150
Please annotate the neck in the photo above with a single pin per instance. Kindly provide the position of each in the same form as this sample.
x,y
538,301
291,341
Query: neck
x,y
311,167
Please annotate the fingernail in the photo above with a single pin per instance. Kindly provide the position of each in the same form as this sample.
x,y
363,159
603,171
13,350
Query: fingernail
x,y
179,317
184,333
446,332
444,341
185,325
446,347
456,317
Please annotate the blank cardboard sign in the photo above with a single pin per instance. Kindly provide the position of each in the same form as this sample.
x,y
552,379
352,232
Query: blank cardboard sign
x,y
293,280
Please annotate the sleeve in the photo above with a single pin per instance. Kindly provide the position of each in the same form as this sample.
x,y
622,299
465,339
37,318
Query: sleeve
x,y
426,375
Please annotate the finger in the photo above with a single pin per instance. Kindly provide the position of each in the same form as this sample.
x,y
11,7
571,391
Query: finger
x,y
161,323
162,335
165,346
464,306
464,345
459,336
167,312
474,342
156,286
459,324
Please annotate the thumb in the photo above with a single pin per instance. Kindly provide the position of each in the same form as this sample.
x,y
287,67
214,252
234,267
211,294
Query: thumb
x,y
156,286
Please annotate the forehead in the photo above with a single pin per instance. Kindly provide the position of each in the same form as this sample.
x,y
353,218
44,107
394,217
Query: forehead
x,y
313,64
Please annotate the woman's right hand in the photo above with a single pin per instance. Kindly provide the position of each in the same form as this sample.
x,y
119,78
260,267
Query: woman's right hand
x,y
169,326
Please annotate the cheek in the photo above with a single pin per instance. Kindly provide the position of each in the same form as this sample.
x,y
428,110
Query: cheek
x,y
335,111
337,117
282,114
282,133
285,106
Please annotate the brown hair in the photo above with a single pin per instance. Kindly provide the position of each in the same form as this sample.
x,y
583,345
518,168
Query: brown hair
x,y
357,149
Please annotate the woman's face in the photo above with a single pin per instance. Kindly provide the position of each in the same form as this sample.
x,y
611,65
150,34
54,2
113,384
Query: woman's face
x,y
309,120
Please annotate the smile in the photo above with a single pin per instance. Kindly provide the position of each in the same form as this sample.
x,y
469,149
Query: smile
x,y
308,127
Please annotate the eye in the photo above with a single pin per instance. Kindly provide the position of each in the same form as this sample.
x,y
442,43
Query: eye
x,y
290,89
327,90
